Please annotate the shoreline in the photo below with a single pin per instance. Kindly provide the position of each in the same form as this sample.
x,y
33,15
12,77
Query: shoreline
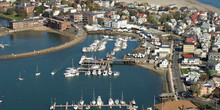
x,y
161,72
180,3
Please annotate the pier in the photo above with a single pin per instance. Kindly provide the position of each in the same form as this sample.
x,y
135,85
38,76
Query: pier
x,y
88,107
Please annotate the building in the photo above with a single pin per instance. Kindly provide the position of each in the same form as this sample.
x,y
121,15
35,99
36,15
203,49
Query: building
x,y
162,50
214,55
192,77
26,24
115,24
214,65
207,88
164,63
27,7
216,79
188,48
105,3
90,18
191,61
191,40
4,4
176,105
59,24
76,17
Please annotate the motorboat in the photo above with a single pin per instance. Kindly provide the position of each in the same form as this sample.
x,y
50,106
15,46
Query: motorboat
x,y
105,73
37,72
113,53
99,72
20,78
77,73
105,36
116,49
110,73
81,102
51,107
94,72
116,101
133,102
101,48
95,67
116,73
87,73
67,75
75,107
52,73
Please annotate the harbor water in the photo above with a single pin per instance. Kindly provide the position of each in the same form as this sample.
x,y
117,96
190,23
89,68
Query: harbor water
x,y
36,92
215,3
4,22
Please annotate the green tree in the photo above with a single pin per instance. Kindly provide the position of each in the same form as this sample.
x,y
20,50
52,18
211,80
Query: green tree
x,y
167,8
39,10
46,14
133,12
151,19
63,2
22,13
93,6
167,28
195,89
100,21
10,11
54,8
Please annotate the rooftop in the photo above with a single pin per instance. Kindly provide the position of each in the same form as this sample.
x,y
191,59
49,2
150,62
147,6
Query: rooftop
x,y
176,105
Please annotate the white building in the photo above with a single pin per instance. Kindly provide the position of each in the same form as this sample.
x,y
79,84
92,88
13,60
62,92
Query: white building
x,y
164,63
214,65
192,77
191,61
115,24
161,49
105,3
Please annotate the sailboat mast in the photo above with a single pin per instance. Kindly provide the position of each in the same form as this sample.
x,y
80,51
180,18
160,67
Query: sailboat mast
x,y
110,90
81,94
37,69
72,62
122,97
93,93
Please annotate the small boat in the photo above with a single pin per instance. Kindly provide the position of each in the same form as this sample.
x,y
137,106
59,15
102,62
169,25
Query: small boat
x,y
113,53
99,101
20,78
93,101
87,73
122,99
133,102
37,72
116,73
1,101
105,73
110,73
116,49
52,73
2,46
110,101
105,36
77,73
95,67
67,75
87,107
75,107
116,101
81,102
51,107
94,72
99,72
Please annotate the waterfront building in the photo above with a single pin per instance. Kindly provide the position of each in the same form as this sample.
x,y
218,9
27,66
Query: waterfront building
x,y
59,24
115,24
85,17
26,24
4,4
76,17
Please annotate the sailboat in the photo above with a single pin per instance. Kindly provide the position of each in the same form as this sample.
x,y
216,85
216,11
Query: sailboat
x,y
20,78
93,101
122,100
110,101
81,102
37,73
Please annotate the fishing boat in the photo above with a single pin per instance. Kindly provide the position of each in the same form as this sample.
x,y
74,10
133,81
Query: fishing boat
x,y
99,72
94,72
20,78
116,73
37,72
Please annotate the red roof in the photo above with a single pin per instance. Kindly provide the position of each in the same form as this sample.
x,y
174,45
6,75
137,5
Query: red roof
x,y
213,33
194,18
142,15
191,40
188,55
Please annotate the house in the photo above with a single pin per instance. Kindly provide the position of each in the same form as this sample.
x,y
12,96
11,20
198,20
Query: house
x,y
216,79
194,18
105,3
191,61
4,4
164,63
205,46
191,40
26,7
207,87
176,105
65,9
204,37
207,27
188,48
141,20
214,56
192,77
214,65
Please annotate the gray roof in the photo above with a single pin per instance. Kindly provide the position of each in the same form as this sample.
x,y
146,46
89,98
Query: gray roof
x,y
212,62
26,20
214,55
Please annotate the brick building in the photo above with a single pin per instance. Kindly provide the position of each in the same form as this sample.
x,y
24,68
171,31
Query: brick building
x,y
28,8
85,17
26,24
76,17
59,24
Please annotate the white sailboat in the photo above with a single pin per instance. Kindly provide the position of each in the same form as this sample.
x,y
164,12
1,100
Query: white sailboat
x,y
37,72
81,102
94,73
116,73
20,78
99,101
122,100
99,72
110,101
105,73
87,73
93,101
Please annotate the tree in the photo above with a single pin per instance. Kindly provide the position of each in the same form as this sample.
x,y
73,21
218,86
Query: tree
x,y
195,89
167,27
22,13
46,14
151,19
39,10
100,21
92,6
63,2
133,12
167,8
10,11
54,8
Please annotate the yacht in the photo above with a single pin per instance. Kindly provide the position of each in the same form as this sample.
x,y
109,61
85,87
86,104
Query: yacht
x,y
77,73
99,101
37,72
94,72
87,73
105,73
116,49
99,72
20,78
113,53
101,48
133,102
105,36
116,73
67,75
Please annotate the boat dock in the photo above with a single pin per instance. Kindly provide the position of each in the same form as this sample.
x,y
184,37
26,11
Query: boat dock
x,y
81,107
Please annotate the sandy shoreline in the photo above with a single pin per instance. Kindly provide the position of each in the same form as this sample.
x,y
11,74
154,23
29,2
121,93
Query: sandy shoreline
x,y
180,3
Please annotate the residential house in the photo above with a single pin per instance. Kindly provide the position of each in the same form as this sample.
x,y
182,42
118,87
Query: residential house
x,y
105,3
163,63
191,61
216,79
194,18
4,4
205,46
207,27
214,65
192,77
204,37
141,20
214,56
188,48
28,8
207,88
191,40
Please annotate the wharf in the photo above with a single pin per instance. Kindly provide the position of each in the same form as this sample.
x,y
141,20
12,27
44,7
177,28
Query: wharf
x,y
81,107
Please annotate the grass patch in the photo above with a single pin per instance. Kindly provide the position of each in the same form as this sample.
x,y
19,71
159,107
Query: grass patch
x,y
9,17
186,71
203,106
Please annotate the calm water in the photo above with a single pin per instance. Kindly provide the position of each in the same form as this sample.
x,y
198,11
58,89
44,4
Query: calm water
x,y
4,22
215,3
35,93
30,41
